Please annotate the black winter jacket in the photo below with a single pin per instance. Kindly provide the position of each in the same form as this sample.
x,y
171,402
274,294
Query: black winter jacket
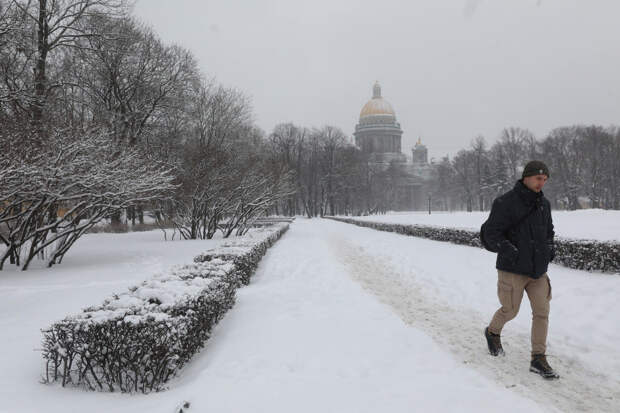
x,y
528,248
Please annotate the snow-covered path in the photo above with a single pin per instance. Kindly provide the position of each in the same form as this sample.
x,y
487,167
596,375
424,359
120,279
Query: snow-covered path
x,y
305,337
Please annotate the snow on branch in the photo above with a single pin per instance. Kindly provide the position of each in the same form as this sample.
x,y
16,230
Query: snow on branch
x,y
53,198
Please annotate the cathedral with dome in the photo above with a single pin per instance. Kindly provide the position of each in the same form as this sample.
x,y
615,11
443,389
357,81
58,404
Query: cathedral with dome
x,y
379,136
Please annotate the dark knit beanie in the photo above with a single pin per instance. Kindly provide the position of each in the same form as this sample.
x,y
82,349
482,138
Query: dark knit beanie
x,y
535,168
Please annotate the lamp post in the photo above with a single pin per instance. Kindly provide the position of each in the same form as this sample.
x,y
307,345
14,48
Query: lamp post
x,y
429,203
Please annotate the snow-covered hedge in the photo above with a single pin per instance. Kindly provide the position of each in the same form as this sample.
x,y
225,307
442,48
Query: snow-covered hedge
x,y
578,254
588,255
135,341
243,253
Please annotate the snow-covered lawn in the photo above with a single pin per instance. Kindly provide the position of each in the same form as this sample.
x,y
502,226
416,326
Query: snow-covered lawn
x,y
597,224
337,318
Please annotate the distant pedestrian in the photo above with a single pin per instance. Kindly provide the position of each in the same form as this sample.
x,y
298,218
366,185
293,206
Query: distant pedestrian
x,y
520,230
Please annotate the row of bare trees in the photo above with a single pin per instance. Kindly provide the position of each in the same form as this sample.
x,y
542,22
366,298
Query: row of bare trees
x,y
584,163
330,175
101,119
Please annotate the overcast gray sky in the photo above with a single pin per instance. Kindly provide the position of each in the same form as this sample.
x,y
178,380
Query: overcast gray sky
x,y
452,69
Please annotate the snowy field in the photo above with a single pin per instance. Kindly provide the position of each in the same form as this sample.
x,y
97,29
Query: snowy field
x,y
596,224
337,318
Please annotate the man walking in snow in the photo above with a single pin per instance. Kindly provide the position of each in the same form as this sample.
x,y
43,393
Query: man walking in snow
x,y
520,230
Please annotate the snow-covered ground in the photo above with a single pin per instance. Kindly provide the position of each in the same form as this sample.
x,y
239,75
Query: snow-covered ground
x,y
97,266
596,224
337,318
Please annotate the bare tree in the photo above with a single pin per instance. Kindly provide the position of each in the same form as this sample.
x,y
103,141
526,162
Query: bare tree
x,y
479,152
58,24
514,142
595,144
563,156
332,141
68,187
131,78
464,166
442,185
286,148
614,170
224,182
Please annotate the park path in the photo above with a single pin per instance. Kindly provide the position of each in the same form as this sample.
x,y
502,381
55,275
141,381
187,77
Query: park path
x,y
305,336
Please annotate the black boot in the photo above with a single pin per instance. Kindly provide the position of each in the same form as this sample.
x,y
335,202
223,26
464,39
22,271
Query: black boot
x,y
540,366
494,342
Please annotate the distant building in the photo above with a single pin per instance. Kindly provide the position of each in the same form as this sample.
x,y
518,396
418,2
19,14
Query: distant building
x,y
379,135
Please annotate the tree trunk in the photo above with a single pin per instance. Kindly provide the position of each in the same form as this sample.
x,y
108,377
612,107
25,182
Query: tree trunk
x,y
40,80
115,218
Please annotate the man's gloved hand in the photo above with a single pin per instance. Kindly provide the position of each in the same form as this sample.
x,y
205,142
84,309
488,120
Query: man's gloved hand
x,y
509,251
551,247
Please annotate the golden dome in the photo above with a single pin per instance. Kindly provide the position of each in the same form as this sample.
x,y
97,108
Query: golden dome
x,y
377,105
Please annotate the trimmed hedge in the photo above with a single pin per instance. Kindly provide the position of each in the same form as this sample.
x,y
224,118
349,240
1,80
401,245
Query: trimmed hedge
x,y
588,255
244,254
137,340
578,254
